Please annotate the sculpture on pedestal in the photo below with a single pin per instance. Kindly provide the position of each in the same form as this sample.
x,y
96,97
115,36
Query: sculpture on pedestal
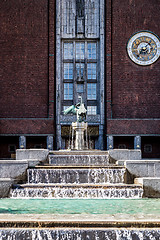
x,y
79,126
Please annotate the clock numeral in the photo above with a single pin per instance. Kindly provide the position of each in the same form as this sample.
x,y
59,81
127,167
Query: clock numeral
x,y
143,39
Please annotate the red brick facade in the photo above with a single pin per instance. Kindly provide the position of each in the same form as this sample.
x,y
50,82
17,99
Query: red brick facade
x,y
132,91
24,54
27,71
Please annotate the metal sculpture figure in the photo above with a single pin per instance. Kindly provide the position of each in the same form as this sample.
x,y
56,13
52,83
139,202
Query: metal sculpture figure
x,y
78,109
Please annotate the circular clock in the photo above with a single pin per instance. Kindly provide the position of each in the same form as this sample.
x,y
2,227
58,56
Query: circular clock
x,y
144,48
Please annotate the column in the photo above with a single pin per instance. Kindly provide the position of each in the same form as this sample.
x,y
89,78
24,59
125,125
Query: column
x,y
137,142
100,138
22,142
109,142
50,143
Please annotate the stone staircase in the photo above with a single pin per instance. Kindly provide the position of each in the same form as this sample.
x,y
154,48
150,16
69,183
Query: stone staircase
x,y
73,174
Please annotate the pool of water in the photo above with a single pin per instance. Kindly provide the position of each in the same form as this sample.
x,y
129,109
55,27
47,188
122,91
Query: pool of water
x,y
82,206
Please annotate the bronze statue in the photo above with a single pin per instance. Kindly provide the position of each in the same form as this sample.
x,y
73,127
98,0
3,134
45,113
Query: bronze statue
x,y
78,109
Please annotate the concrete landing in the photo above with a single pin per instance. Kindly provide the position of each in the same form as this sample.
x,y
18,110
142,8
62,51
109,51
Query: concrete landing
x,y
79,221
78,167
76,152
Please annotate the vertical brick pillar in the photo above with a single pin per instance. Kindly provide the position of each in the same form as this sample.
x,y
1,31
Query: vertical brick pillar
x,y
137,142
50,142
22,142
108,59
110,143
52,7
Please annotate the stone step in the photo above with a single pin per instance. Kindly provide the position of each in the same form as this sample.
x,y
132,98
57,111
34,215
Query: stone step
x,y
47,166
79,159
82,191
77,175
77,152
151,186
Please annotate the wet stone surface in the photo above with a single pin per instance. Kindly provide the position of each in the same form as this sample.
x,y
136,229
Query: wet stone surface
x,y
76,175
88,234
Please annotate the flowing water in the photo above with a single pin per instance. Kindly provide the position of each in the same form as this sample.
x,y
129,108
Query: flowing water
x,y
77,176
64,234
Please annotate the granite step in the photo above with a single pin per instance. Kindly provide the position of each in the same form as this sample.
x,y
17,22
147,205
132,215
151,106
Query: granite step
x,y
83,158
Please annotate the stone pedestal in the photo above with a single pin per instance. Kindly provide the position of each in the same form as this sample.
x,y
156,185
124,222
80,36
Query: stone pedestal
x,y
79,128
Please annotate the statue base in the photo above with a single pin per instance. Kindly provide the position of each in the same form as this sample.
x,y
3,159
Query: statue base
x,y
79,128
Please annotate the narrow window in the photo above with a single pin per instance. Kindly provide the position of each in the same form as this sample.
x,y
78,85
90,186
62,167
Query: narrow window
x,y
80,50
68,70
91,91
91,71
80,88
68,91
80,69
92,51
68,50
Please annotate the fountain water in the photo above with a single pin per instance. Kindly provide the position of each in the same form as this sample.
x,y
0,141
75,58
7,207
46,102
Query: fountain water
x,y
79,234
83,179
77,174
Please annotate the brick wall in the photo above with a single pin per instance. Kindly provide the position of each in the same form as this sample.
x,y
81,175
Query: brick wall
x,y
24,54
135,127
27,126
134,90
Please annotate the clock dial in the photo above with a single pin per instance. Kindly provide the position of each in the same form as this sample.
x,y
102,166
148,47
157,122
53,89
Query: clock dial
x,y
144,48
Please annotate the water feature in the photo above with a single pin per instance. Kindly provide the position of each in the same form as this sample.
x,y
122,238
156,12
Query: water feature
x,y
76,175
83,158
77,182
78,185
81,234
138,207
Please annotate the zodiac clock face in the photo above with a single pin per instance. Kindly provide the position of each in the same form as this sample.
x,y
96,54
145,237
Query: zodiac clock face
x,y
144,48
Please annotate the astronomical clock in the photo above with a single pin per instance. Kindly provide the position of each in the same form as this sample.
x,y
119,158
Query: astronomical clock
x,y
144,48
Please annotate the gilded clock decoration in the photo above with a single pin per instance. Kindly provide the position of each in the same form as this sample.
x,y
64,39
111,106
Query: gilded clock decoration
x,y
144,48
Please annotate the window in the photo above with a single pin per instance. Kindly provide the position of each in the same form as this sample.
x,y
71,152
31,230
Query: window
x,y
65,107
68,50
80,88
12,148
148,148
91,110
91,71
92,51
80,69
68,91
91,91
122,146
38,146
68,70
80,50
80,72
